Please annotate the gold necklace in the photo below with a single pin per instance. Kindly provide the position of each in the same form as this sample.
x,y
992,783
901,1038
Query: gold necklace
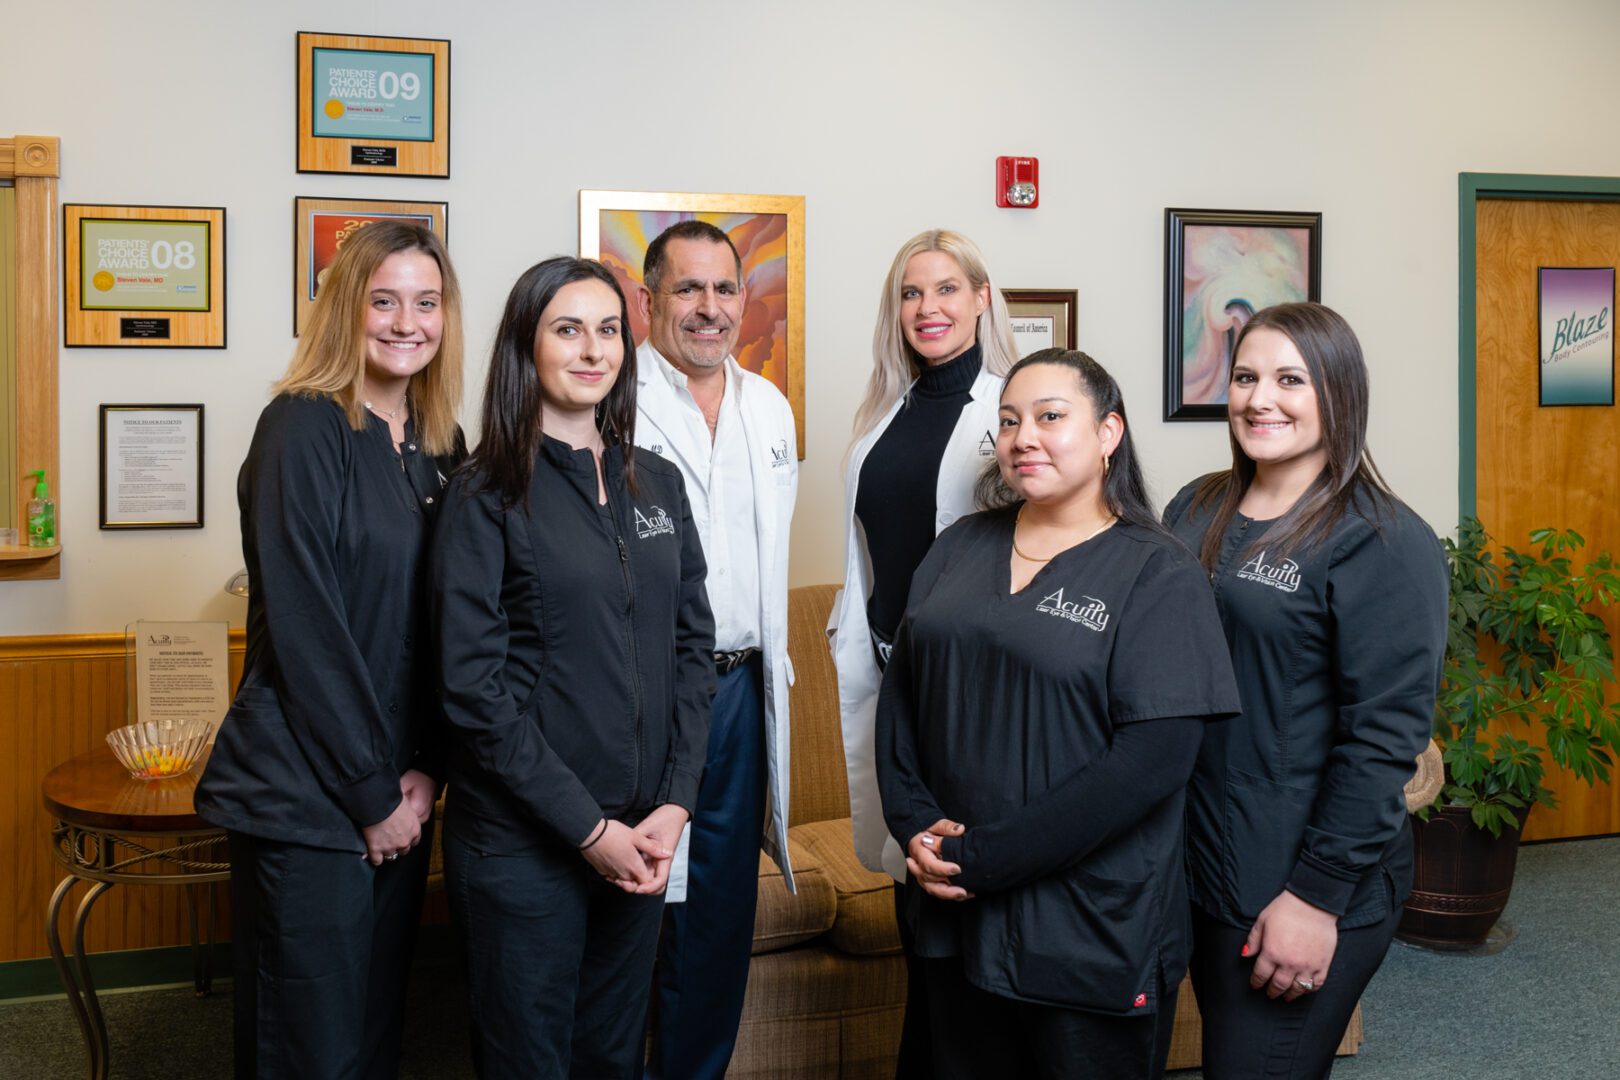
x,y
1031,558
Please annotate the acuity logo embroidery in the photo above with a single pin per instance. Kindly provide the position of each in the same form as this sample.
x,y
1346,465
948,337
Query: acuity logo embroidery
x,y
1284,575
987,445
779,455
1093,614
654,523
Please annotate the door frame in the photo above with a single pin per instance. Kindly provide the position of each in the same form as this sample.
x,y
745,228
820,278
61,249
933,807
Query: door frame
x,y
1471,188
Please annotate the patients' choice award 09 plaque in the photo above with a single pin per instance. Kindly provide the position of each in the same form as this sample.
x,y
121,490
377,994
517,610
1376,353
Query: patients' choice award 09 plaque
x,y
178,670
151,276
151,466
373,105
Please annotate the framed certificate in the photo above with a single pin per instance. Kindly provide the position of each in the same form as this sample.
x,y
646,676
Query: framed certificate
x,y
320,226
151,466
1042,318
144,276
378,105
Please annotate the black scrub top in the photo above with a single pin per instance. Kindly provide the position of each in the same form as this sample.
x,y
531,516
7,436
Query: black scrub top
x,y
1338,650
993,697
338,696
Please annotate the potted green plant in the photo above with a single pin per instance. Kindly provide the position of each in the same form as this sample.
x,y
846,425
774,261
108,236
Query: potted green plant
x,y
1525,649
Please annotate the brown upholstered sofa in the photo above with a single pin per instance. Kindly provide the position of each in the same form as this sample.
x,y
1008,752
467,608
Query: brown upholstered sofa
x,y
826,988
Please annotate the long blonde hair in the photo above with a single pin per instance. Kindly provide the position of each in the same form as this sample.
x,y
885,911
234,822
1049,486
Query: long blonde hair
x,y
330,360
894,366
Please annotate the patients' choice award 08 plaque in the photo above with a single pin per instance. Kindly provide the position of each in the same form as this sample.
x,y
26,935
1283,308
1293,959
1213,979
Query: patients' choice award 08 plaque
x,y
151,466
179,671
151,276
373,105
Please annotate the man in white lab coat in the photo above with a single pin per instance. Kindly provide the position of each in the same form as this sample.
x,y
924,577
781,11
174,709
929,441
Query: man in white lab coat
x,y
732,434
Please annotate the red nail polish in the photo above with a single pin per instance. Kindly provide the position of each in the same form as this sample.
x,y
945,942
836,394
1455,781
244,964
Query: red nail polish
x,y
1245,950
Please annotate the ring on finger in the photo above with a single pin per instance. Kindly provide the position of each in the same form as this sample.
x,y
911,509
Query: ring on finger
x,y
1305,984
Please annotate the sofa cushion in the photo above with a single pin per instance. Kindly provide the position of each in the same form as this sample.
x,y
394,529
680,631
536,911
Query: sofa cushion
x,y
815,980
784,919
865,923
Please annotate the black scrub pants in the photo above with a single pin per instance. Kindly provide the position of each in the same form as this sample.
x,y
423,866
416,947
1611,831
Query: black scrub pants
x,y
322,944
707,941
977,1034
559,963
1248,1036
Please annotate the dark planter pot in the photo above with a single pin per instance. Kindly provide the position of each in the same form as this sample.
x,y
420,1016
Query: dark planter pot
x,y
1460,883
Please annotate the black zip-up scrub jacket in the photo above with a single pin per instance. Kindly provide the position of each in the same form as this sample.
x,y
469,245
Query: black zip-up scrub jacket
x,y
576,651
1338,650
992,699
337,694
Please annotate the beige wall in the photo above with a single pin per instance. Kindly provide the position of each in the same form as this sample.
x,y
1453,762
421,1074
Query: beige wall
x,y
887,117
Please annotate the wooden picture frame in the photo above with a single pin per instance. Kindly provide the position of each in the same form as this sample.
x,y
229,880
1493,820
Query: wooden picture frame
x,y
151,466
321,225
1043,318
379,106
1220,267
768,230
143,276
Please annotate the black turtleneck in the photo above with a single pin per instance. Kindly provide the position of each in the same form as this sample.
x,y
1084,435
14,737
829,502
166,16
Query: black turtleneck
x,y
895,496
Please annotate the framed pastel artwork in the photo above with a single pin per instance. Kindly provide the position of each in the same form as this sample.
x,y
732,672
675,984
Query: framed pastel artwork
x,y
320,226
768,231
1576,313
1220,267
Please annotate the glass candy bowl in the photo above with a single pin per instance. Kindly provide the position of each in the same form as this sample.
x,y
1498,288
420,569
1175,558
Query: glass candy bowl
x,y
160,751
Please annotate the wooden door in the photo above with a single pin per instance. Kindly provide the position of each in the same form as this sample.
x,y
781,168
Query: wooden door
x,y
1543,467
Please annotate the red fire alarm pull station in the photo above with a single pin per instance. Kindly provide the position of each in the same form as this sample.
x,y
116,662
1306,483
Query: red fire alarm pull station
x,y
1018,182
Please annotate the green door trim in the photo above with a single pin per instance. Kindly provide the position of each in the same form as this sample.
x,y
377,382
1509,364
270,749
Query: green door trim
x,y
1472,187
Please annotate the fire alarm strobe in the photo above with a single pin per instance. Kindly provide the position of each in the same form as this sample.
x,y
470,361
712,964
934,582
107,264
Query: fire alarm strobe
x,y
1017,182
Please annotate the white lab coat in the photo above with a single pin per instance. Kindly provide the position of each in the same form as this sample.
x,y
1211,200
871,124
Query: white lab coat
x,y
772,440
972,444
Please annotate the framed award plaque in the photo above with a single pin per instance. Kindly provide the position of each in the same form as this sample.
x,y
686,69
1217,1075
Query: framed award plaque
x,y
143,276
321,226
374,105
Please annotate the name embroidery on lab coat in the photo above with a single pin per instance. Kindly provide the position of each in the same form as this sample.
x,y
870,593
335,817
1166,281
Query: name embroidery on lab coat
x,y
1283,575
1089,612
654,523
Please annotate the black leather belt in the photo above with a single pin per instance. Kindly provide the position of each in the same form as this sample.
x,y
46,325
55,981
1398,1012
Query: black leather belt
x,y
727,662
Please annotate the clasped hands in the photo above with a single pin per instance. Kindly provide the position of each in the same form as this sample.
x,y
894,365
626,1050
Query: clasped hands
x,y
401,830
928,869
1292,943
637,860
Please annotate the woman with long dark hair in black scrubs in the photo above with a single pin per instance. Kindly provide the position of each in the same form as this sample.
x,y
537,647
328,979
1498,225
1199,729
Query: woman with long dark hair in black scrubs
x,y
577,659
1333,595
1049,686
325,771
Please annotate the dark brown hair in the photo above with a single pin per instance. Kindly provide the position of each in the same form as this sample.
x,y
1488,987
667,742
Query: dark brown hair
x,y
1123,490
504,460
1339,375
652,266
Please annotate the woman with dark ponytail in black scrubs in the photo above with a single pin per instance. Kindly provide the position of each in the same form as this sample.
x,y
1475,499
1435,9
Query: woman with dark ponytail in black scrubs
x,y
1048,690
1333,596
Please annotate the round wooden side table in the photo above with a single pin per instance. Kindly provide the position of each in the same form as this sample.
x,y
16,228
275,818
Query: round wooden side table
x,y
111,829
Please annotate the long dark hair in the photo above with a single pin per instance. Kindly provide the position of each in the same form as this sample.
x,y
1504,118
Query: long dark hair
x,y
1123,491
1339,374
504,460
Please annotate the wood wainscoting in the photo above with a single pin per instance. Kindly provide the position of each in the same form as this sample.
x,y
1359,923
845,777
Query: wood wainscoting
x,y
59,696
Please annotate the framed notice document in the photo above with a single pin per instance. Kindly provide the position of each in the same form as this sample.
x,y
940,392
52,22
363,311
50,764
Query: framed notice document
x,y
151,466
144,276
320,226
376,105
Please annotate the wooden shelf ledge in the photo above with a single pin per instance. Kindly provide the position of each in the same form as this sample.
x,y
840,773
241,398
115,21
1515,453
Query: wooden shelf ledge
x,y
24,554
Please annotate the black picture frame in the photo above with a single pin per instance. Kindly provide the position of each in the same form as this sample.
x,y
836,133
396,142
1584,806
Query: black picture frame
x,y
1184,402
113,514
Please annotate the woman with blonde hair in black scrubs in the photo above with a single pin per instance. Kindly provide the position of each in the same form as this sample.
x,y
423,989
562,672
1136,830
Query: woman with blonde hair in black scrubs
x,y
1333,596
1057,663
324,773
